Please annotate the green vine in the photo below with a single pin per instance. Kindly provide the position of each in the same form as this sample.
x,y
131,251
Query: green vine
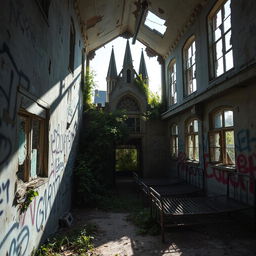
x,y
143,86
89,86
29,196
155,107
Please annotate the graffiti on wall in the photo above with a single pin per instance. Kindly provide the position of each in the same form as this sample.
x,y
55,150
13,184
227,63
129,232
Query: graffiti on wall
x,y
18,240
50,200
246,148
21,21
4,195
10,78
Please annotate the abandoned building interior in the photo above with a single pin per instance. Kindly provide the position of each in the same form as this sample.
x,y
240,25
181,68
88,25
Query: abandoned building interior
x,y
207,53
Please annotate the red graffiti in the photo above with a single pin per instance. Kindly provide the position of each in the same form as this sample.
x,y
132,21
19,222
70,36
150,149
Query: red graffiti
x,y
244,165
247,164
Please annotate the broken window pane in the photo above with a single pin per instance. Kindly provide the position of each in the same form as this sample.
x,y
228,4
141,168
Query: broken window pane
x,y
220,23
215,147
22,152
195,125
228,115
219,48
229,60
228,44
196,149
217,34
227,10
218,120
227,24
230,147
219,67
34,169
218,18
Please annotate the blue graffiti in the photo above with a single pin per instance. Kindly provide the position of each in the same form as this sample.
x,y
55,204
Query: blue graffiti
x,y
11,78
45,203
4,193
19,244
245,141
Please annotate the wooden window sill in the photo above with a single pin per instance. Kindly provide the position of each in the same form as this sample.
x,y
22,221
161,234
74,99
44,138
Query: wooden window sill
x,y
231,168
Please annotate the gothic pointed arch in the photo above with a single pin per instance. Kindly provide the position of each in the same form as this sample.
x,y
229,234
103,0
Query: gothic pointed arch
x,y
129,104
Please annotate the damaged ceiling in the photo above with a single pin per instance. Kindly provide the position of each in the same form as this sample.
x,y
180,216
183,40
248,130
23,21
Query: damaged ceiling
x,y
103,20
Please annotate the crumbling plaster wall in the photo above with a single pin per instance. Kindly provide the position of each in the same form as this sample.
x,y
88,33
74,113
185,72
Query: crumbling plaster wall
x,y
34,56
155,150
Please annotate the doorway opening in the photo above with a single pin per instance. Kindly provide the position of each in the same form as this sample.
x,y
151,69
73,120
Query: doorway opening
x,y
126,160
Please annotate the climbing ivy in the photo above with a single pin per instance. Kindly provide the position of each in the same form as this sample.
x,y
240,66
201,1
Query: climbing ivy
x,y
143,86
155,107
89,87
103,130
29,196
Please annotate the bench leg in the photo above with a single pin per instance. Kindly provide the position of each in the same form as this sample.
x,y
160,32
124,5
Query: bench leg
x,y
162,225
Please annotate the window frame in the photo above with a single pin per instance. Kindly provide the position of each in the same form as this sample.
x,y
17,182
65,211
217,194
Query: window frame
x,y
42,172
173,82
137,123
174,141
213,58
192,134
188,44
222,137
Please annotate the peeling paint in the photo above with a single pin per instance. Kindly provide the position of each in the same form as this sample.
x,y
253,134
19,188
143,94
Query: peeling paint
x,y
90,23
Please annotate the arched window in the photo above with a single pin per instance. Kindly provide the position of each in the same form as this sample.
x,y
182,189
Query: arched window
x,y
128,76
220,38
129,104
189,57
192,139
221,137
173,86
72,43
174,140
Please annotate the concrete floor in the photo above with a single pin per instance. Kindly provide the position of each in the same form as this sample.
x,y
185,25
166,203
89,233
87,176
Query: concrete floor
x,y
118,237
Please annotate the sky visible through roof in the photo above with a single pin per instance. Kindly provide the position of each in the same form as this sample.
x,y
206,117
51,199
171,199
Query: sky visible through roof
x,y
100,63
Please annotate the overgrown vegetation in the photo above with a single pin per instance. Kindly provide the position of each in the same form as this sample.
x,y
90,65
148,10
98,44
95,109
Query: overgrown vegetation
x,y
126,159
76,243
29,196
95,168
155,107
88,89
144,221
143,86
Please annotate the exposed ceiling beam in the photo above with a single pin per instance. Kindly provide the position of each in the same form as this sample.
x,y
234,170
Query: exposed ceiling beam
x,y
143,9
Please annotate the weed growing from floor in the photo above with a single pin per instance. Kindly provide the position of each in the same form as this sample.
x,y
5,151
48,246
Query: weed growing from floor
x,y
77,243
144,221
119,203
138,215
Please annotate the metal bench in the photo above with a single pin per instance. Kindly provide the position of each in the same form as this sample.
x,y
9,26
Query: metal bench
x,y
235,199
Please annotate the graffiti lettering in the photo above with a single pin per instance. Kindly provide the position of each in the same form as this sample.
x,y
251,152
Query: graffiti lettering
x,y
22,22
19,243
245,141
45,202
247,164
10,78
4,193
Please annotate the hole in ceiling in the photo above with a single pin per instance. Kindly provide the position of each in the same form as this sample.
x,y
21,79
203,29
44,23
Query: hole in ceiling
x,y
155,23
